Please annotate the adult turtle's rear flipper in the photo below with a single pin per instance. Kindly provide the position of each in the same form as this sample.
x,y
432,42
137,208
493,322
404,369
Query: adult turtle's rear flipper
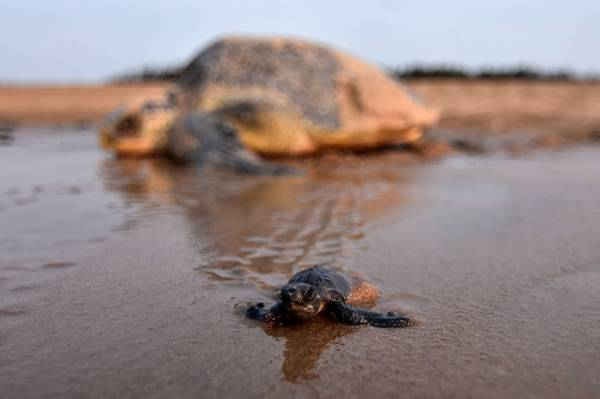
x,y
347,314
203,138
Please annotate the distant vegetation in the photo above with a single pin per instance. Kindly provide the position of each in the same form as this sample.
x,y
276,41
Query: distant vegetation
x,y
170,74
148,74
512,73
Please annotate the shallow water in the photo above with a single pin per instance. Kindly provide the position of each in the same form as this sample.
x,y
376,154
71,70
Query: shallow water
x,y
123,277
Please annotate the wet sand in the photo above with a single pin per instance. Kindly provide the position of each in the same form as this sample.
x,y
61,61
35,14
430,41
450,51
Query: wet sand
x,y
124,278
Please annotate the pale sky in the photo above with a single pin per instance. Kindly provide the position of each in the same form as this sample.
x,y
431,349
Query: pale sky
x,y
78,41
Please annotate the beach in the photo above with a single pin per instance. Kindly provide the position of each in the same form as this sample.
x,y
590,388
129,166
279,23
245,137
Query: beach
x,y
476,106
126,278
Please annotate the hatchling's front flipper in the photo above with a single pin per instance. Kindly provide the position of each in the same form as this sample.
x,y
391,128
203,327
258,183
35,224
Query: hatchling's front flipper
x,y
261,313
347,314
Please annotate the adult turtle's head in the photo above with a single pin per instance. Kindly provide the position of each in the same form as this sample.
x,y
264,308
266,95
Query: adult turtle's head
x,y
301,301
140,131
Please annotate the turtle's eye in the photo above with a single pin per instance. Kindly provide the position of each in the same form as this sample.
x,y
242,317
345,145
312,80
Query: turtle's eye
x,y
310,294
128,126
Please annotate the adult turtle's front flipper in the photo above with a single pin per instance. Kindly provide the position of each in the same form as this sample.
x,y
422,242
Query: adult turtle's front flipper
x,y
205,139
347,314
242,161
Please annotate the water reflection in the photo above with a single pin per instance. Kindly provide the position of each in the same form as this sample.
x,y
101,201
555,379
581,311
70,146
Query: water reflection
x,y
261,230
264,229
304,345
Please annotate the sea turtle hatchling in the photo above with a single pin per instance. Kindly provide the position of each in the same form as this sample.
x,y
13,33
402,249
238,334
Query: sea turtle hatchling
x,y
319,290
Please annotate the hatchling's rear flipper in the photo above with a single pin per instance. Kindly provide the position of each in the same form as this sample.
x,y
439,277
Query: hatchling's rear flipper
x,y
347,314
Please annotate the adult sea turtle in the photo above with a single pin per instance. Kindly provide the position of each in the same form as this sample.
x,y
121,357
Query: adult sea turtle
x,y
274,97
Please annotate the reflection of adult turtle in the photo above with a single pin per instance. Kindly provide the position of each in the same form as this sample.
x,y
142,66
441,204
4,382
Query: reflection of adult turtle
x,y
280,96
320,290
